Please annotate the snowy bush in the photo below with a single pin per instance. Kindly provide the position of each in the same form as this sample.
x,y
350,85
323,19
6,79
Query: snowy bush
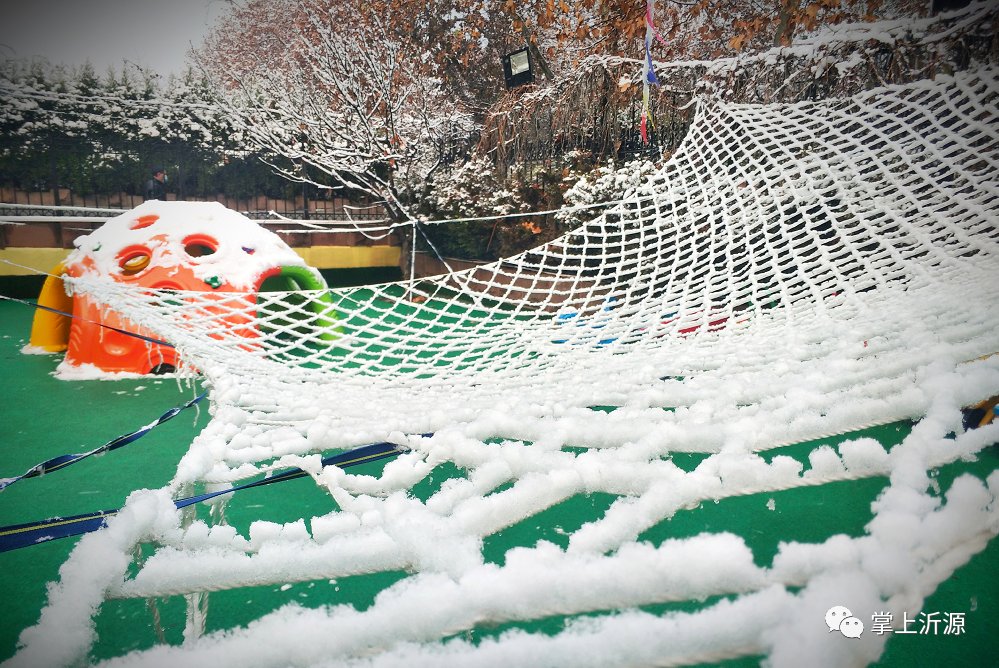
x,y
476,190
604,185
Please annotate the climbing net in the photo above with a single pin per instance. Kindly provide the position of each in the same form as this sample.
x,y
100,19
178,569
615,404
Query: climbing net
x,y
793,271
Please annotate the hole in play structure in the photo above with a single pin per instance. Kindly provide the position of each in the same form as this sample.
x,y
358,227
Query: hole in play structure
x,y
133,260
144,221
199,245
301,310
168,294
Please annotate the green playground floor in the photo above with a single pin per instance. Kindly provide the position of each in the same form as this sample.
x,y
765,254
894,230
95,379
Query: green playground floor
x,y
41,417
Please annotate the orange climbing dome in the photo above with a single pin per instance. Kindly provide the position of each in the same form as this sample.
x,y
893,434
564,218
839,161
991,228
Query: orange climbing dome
x,y
191,246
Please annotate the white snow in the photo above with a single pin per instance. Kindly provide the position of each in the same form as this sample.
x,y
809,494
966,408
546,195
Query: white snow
x,y
35,350
244,249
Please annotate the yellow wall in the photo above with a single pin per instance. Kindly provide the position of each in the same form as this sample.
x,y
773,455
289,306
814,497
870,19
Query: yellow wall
x,y
320,257
349,257
39,259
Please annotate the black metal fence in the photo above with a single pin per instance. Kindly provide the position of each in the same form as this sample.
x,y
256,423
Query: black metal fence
x,y
65,173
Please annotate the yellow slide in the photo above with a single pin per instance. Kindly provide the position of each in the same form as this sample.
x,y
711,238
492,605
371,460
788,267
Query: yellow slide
x,y
50,331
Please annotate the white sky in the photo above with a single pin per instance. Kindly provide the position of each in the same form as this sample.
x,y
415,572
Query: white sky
x,y
152,33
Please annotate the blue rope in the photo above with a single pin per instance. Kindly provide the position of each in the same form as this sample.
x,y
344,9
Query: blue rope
x,y
17,536
62,461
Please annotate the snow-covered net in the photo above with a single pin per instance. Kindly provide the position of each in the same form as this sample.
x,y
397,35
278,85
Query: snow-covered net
x,y
794,270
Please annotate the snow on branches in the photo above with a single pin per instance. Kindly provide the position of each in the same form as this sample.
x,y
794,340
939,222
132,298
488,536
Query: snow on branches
x,y
345,102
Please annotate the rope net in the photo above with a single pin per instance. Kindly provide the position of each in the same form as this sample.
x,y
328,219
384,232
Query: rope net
x,y
794,271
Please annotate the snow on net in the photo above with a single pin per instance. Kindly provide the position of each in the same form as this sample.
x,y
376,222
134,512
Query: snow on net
x,y
795,270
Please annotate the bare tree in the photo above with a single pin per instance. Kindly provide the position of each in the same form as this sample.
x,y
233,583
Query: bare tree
x,y
327,88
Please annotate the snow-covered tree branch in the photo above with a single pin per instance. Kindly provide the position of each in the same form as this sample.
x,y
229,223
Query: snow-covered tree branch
x,y
345,103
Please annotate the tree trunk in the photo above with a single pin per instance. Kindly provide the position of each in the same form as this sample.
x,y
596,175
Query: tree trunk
x,y
785,22
535,51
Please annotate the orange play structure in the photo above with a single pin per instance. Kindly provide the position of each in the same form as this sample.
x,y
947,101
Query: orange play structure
x,y
150,247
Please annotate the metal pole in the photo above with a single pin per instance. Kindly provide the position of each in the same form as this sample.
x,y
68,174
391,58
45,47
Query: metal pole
x,y
305,200
54,176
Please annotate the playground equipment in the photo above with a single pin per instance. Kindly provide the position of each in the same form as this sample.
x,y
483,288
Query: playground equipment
x,y
175,247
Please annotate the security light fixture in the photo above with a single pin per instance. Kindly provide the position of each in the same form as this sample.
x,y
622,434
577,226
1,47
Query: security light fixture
x,y
517,68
